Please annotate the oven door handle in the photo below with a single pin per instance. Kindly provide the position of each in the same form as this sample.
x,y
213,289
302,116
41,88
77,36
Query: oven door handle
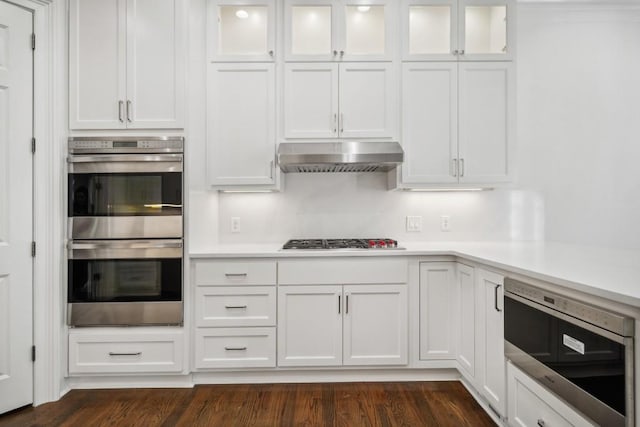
x,y
110,158
126,163
130,249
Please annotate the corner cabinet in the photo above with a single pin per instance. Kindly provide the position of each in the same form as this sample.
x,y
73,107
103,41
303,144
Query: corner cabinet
x,y
458,122
241,142
126,64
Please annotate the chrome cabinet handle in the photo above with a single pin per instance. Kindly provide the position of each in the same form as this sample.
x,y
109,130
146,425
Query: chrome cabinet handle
x,y
128,111
339,304
346,305
456,52
335,123
341,53
461,167
335,53
271,53
341,122
120,107
271,170
235,274
138,353
462,52
541,423
235,348
229,307
454,167
495,298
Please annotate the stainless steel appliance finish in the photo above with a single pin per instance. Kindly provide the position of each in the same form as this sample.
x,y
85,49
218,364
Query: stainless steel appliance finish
x,y
156,313
584,354
345,244
125,282
125,187
353,156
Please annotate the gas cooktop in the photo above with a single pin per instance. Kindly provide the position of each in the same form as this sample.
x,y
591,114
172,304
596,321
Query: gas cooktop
x,y
380,243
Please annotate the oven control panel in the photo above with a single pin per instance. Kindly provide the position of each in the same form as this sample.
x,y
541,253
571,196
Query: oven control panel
x,y
605,319
125,144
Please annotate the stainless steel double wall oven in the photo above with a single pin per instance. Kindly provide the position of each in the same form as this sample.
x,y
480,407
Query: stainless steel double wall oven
x,y
125,229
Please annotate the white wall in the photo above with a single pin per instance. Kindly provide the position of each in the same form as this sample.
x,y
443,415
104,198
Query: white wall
x,y
579,119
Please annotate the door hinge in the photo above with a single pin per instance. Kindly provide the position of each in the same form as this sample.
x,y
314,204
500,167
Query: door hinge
x,y
33,353
33,145
33,41
33,249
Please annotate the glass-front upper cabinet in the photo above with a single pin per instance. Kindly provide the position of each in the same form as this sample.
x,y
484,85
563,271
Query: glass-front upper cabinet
x,y
350,30
241,30
458,30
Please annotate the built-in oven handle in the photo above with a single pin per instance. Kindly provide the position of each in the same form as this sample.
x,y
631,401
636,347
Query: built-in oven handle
x,y
108,158
128,244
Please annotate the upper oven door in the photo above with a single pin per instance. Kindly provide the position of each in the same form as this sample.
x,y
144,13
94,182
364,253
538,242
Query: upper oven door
x,y
125,196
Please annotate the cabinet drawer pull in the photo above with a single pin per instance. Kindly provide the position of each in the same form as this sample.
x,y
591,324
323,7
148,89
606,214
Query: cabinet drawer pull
x,y
235,274
234,306
138,353
235,348
541,423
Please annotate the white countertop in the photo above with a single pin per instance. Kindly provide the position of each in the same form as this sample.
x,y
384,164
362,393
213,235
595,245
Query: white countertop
x,y
609,273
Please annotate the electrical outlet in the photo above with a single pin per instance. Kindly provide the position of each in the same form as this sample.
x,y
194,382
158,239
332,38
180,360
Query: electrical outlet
x,y
414,223
235,224
445,223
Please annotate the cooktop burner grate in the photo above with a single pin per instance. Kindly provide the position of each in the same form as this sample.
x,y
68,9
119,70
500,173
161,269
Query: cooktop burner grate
x,y
379,243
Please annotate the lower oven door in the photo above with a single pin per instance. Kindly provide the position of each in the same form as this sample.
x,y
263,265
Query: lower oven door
x,y
126,282
587,366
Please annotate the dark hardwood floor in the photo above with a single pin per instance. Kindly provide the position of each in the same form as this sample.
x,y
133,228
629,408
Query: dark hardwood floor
x,y
335,404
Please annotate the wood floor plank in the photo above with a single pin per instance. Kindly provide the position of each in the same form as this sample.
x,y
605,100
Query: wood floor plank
x,y
262,405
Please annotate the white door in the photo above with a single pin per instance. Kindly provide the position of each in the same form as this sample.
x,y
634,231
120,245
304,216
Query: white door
x,y
493,365
438,323
367,100
375,325
155,64
310,325
430,122
97,73
466,292
311,100
16,117
486,121
240,124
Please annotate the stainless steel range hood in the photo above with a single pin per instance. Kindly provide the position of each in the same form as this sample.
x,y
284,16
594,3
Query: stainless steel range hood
x,y
353,156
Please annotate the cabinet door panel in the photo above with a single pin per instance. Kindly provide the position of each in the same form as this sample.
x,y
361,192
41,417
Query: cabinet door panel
x,y
429,30
311,101
367,100
240,124
155,64
429,129
486,30
310,30
310,326
437,317
467,305
375,325
367,31
491,326
486,121
97,64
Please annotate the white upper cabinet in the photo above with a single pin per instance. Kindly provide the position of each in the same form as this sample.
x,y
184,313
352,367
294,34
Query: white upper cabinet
x,y
239,30
126,64
240,124
350,30
458,123
325,100
457,30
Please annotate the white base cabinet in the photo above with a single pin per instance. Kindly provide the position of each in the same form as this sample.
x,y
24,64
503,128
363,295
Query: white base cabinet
x,y
125,351
466,309
531,405
438,314
235,348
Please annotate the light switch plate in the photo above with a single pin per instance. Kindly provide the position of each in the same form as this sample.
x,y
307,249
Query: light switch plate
x,y
414,223
445,223
235,224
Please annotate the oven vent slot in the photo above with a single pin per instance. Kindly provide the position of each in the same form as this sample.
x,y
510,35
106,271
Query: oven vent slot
x,y
336,168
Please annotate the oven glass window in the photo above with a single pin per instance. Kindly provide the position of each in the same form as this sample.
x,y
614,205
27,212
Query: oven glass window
x,y
125,194
125,280
592,362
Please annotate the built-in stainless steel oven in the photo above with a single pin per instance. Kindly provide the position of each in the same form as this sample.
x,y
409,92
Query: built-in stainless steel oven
x,y
125,188
125,282
125,228
583,353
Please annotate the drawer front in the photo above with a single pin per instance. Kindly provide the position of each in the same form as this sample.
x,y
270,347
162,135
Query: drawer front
x,y
124,352
234,272
236,306
235,348
343,271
